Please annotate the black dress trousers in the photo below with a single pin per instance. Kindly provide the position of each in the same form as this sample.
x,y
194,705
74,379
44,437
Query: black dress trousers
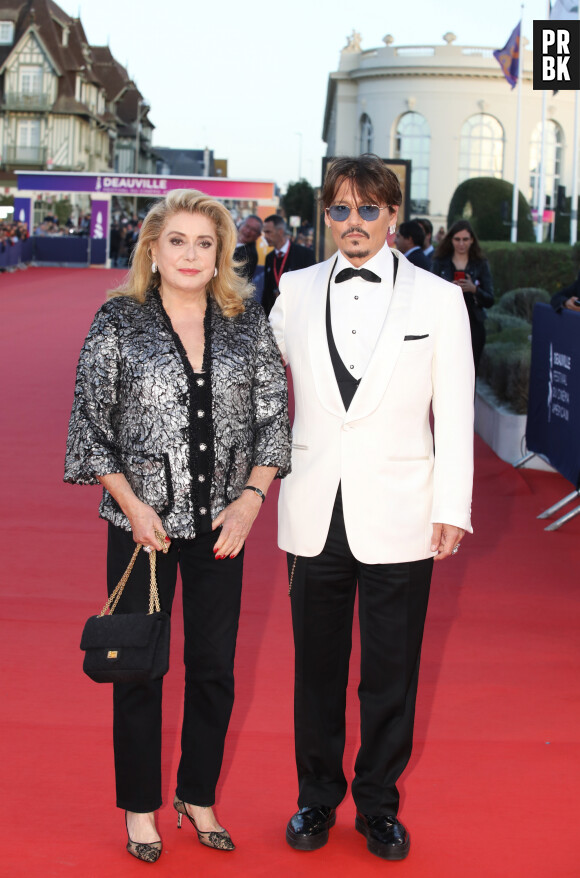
x,y
392,608
211,610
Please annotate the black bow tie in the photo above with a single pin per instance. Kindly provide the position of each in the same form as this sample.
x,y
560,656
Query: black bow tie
x,y
347,273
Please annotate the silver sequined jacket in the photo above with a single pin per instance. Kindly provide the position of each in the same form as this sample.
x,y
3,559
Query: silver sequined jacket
x,y
131,410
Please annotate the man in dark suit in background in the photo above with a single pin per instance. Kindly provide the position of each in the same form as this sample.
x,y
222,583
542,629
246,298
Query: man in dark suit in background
x,y
246,252
409,240
286,256
428,248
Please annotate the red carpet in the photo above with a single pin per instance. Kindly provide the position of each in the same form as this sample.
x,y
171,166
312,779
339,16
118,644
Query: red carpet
x,y
492,789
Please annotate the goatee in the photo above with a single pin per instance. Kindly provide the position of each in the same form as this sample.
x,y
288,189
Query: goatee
x,y
357,254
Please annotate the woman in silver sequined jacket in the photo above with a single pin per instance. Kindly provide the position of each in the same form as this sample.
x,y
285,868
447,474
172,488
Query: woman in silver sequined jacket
x,y
180,412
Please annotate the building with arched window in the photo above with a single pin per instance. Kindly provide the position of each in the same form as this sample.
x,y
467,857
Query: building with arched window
x,y
449,110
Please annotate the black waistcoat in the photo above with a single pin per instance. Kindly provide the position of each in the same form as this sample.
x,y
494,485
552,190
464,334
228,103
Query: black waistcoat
x,y
347,383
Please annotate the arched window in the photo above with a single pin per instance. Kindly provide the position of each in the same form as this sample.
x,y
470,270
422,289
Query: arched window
x,y
366,134
553,159
481,148
413,141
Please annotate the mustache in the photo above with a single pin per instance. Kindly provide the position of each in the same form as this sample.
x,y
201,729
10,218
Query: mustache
x,y
356,229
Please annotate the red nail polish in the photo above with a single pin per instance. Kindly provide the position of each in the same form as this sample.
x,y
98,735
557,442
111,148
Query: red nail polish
x,y
232,556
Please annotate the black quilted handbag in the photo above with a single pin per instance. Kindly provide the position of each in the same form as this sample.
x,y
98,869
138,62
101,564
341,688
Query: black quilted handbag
x,y
128,647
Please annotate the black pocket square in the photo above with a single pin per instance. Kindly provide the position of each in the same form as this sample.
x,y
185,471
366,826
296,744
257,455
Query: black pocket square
x,y
415,337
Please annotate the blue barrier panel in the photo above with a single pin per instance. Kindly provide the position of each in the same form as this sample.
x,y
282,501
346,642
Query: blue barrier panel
x,y
12,254
55,249
98,251
27,250
553,426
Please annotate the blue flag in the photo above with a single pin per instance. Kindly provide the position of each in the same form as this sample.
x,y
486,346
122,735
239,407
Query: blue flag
x,y
508,58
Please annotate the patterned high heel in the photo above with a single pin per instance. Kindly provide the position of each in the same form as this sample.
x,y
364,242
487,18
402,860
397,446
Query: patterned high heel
x,y
148,852
221,841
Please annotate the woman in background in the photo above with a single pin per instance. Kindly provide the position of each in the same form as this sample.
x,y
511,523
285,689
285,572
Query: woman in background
x,y
460,260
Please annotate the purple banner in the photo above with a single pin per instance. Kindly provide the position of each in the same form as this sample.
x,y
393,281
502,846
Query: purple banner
x,y
22,211
143,185
99,219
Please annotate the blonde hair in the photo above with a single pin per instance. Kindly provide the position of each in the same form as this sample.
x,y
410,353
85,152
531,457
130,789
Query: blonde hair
x,y
228,288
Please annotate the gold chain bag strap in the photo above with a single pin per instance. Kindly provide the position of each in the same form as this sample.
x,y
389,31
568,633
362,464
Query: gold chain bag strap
x,y
128,647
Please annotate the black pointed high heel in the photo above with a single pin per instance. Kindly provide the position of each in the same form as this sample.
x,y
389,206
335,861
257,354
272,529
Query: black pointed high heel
x,y
221,841
148,852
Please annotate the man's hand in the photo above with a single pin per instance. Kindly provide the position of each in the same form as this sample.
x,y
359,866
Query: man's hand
x,y
445,538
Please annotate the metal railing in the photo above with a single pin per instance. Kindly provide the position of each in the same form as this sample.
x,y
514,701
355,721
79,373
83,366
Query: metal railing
x,y
25,155
22,101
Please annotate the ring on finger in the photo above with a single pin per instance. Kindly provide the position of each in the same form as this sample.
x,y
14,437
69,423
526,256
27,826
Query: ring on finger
x,y
147,549
455,550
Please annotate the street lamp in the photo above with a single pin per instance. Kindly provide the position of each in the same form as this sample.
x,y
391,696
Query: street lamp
x,y
299,134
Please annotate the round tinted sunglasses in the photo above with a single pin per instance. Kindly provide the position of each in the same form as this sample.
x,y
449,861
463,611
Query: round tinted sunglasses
x,y
367,212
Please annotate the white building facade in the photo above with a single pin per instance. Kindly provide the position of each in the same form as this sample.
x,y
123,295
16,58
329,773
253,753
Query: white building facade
x,y
450,110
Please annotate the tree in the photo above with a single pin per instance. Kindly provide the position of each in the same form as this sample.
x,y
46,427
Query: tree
x,y
299,201
487,204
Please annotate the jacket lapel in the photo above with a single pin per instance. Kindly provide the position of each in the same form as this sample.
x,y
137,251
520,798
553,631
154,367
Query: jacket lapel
x,y
380,368
322,370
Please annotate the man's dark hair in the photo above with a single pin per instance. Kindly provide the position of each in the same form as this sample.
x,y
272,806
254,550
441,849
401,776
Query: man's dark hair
x,y
276,220
368,174
414,231
426,225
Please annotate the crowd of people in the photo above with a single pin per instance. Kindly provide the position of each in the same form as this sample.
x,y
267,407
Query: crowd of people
x,y
12,232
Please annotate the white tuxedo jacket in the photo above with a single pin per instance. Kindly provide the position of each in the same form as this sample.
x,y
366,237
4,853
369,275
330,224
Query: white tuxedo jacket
x,y
394,486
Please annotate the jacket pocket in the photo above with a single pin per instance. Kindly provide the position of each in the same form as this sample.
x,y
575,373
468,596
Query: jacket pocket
x,y
150,479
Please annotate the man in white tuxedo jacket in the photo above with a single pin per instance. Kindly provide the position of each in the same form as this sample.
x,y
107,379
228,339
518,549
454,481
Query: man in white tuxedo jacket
x,y
373,497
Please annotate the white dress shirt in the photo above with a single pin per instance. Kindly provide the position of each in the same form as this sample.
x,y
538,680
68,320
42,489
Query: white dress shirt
x,y
358,309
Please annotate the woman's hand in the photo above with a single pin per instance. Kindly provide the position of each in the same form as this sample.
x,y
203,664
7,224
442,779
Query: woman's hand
x,y
236,521
143,519
145,523
466,284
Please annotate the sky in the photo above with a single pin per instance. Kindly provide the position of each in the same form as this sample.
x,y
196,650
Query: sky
x,y
249,80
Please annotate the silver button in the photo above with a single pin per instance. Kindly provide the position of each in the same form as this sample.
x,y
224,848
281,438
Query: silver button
x,y
200,413
356,297
352,367
202,510
200,382
354,332
202,446
201,478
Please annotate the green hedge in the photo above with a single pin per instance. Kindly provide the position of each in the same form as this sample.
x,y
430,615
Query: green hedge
x,y
487,204
505,362
505,366
548,266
